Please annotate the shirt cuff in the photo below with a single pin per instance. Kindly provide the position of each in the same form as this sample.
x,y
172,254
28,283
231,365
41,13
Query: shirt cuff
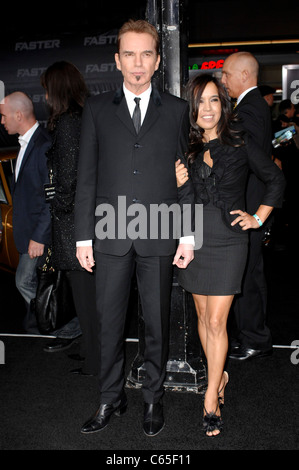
x,y
84,243
187,240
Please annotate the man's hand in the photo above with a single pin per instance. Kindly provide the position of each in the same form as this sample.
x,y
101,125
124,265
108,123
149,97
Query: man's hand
x,y
184,254
85,257
35,249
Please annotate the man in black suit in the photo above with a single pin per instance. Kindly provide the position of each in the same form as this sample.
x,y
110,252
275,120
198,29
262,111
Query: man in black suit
x,y
239,76
124,170
31,215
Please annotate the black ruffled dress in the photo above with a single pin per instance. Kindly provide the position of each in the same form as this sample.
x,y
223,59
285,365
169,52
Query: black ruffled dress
x,y
219,264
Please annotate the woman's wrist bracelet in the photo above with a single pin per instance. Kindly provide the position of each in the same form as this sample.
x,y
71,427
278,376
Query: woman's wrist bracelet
x,y
258,219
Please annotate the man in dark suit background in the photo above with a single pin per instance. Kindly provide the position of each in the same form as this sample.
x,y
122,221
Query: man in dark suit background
x,y
135,166
31,215
240,76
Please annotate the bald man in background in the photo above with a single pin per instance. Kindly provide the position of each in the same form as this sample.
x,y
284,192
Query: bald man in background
x,y
240,77
31,214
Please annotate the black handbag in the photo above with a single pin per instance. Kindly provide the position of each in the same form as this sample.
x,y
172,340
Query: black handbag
x,y
54,304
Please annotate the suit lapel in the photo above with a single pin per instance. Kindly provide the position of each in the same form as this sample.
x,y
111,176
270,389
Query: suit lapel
x,y
123,114
150,118
28,151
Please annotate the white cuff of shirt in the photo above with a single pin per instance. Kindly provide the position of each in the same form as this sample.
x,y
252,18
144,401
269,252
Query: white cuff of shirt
x,y
84,243
187,240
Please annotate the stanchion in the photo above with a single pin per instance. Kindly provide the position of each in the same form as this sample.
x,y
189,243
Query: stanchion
x,y
185,370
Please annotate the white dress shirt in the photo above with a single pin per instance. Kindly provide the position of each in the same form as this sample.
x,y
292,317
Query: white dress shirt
x,y
144,100
24,141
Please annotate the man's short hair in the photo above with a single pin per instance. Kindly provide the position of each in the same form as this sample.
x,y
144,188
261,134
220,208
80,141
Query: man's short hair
x,y
139,26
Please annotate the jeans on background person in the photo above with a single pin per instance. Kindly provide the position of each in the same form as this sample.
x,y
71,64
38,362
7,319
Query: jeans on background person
x,y
70,330
26,283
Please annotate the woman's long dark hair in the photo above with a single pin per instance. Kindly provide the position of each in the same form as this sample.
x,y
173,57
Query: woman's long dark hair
x,y
66,89
226,129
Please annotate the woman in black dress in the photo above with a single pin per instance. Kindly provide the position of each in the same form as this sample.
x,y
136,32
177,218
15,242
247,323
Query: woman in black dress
x,y
219,159
66,93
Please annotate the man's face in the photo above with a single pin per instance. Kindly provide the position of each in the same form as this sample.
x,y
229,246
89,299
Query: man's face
x,y
137,60
9,118
232,77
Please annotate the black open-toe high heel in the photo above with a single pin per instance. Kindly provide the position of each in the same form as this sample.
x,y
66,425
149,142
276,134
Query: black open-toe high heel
x,y
212,422
221,397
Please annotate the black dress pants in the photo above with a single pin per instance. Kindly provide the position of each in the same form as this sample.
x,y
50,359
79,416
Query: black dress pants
x,y
84,293
113,284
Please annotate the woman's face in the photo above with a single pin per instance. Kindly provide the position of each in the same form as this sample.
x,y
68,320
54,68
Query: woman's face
x,y
209,111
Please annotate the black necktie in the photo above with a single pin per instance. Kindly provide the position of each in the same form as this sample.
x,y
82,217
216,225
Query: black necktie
x,y
137,115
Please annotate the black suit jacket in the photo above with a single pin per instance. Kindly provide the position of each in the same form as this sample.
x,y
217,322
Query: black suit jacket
x,y
114,161
31,214
255,117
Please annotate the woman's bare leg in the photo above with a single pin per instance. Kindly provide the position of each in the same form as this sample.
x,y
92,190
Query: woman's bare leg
x,y
212,314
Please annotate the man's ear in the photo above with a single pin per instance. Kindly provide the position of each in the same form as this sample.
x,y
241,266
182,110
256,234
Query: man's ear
x,y
19,115
117,61
157,62
245,75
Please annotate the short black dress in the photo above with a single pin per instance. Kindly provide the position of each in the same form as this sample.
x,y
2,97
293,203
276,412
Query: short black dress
x,y
218,266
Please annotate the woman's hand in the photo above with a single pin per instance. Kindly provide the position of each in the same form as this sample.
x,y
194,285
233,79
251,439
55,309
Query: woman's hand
x,y
246,221
181,173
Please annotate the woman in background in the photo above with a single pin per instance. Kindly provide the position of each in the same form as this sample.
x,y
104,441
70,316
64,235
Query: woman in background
x,y
65,94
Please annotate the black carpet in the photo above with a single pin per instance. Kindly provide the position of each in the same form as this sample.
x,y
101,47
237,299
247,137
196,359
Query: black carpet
x,y
43,406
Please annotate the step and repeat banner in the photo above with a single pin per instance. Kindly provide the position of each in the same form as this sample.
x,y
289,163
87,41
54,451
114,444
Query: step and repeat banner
x,y
290,83
23,61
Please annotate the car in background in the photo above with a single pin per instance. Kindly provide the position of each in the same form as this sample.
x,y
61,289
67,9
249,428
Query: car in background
x,y
9,256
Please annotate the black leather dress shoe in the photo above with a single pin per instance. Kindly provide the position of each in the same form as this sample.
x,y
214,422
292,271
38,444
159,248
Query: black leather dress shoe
x,y
59,344
101,418
153,419
242,353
